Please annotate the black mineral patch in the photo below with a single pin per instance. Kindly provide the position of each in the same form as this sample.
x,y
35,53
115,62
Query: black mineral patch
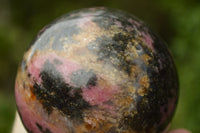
x,y
92,81
29,75
43,130
54,93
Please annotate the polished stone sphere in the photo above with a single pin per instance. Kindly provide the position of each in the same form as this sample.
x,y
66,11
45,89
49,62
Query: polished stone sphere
x,y
96,70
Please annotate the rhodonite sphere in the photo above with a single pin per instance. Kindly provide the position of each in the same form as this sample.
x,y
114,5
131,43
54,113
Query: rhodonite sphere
x,y
96,70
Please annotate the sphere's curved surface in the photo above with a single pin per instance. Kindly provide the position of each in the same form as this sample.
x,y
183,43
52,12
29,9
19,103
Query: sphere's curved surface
x,y
96,70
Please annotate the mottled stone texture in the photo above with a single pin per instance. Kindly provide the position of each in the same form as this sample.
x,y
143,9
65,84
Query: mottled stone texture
x,y
96,70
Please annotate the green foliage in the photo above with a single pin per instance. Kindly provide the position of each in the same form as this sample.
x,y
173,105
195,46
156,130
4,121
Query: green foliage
x,y
178,22
185,45
7,113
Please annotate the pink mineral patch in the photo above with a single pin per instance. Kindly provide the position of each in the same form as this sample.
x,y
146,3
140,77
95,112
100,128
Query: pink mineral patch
x,y
96,95
35,67
147,40
86,21
129,28
118,23
137,24
65,68
94,9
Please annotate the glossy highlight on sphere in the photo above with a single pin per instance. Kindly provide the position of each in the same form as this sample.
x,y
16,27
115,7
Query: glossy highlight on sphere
x,y
96,70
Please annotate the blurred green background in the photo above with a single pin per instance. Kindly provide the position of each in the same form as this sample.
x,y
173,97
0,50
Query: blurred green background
x,y
177,21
